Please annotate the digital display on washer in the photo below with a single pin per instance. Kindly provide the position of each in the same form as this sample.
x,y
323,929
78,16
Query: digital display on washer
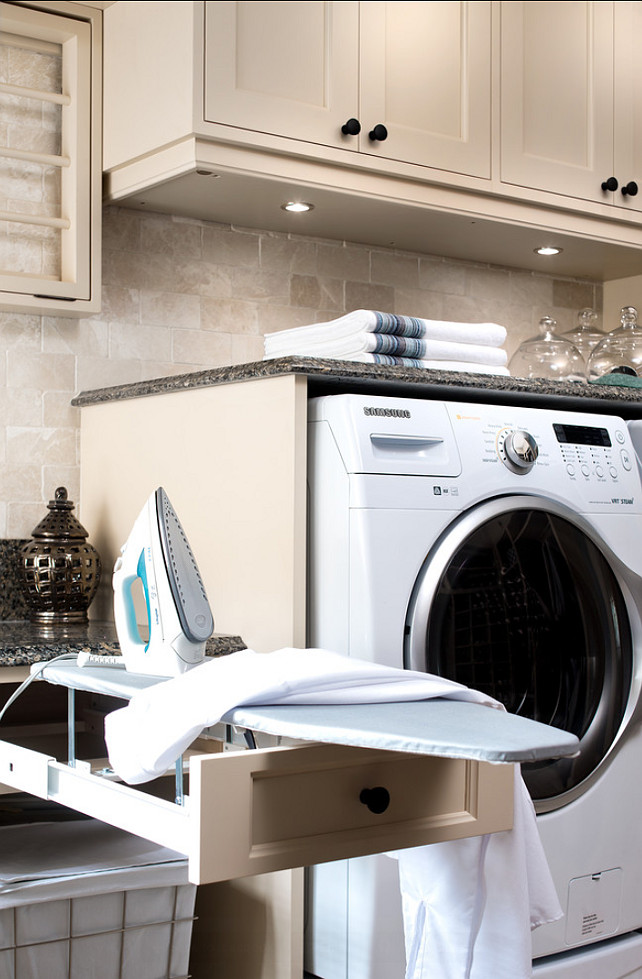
x,y
582,435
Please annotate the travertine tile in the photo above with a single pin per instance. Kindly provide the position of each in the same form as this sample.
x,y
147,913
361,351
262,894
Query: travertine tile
x,y
573,295
389,269
20,330
121,230
343,261
21,482
228,247
246,350
61,335
58,412
284,254
437,275
417,302
21,406
273,318
229,316
261,285
101,372
179,240
360,295
40,446
120,304
22,517
170,309
200,347
531,289
48,372
134,342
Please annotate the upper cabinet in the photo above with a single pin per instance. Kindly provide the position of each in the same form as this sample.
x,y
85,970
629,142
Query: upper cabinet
x,y
50,202
465,129
570,83
402,81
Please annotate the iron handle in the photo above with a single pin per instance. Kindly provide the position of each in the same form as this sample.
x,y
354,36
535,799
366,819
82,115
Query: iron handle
x,y
610,184
351,128
631,189
379,133
377,799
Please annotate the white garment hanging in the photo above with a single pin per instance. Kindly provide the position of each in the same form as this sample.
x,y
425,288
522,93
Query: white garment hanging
x,y
469,906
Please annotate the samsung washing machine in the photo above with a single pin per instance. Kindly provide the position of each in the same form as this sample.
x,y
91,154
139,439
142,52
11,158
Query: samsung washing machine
x,y
501,547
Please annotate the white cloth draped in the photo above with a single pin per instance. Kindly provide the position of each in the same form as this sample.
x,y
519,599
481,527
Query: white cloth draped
x,y
469,905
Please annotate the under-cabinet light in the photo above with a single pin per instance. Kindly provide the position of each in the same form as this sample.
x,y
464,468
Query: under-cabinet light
x,y
547,250
297,206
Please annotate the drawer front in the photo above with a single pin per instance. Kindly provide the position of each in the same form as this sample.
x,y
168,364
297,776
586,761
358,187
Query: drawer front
x,y
276,808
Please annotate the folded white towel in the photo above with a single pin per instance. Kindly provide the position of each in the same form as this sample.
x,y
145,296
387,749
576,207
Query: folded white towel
x,y
386,360
382,344
372,321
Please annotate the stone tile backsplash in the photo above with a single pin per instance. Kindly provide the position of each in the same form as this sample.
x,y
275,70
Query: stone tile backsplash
x,y
181,295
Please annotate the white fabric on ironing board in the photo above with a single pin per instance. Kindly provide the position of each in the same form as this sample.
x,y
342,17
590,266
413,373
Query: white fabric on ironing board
x,y
455,894
145,738
469,906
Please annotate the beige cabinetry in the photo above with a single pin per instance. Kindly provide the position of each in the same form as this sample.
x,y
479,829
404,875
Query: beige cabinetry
x,y
570,81
501,122
50,174
404,81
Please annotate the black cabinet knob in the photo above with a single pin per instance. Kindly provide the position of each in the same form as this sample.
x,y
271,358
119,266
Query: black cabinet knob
x,y
351,128
610,184
631,189
378,133
377,800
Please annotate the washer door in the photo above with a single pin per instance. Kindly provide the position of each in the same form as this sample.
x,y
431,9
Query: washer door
x,y
518,601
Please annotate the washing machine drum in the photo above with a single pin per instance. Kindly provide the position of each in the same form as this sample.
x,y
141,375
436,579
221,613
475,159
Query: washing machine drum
x,y
518,600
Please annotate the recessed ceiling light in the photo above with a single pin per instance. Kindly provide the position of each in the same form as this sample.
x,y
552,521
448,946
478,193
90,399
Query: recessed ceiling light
x,y
547,250
297,206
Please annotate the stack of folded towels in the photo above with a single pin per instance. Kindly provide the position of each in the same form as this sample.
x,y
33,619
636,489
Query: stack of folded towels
x,y
371,337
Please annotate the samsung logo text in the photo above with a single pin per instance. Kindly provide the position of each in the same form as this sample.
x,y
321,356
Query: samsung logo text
x,y
388,412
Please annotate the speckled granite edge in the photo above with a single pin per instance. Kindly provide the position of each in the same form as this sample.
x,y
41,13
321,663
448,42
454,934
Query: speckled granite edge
x,y
23,643
343,372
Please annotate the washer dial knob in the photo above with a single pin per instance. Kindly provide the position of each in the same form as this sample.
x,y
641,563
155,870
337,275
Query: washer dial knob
x,y
520,451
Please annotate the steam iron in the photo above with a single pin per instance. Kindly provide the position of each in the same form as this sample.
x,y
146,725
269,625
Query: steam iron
x,y
178,613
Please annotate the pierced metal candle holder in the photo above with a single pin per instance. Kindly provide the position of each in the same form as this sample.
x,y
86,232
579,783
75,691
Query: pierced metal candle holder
x,y
60,568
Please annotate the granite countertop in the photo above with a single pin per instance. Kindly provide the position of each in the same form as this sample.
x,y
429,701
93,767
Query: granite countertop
x,y
337,376
23,643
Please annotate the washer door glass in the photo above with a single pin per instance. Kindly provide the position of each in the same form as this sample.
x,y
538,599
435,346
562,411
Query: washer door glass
x,y
525,607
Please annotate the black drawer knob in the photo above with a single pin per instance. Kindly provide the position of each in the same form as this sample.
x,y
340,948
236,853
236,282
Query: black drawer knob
x,y
631,189
377,800
351,128
378,133
610,184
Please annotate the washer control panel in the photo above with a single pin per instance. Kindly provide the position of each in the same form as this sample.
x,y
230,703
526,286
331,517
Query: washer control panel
x,y
593,452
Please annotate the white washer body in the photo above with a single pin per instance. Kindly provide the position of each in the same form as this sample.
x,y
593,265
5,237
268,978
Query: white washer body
x,y
389,479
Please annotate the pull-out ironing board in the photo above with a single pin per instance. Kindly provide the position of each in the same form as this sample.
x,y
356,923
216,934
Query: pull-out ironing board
x,y
373,777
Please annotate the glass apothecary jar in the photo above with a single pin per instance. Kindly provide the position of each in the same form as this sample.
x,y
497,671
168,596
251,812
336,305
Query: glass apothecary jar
x,y
548,355
622,348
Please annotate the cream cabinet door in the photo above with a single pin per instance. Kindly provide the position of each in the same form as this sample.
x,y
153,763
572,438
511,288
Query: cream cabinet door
x,y
627,102
414,77
557,96
289,69
426,77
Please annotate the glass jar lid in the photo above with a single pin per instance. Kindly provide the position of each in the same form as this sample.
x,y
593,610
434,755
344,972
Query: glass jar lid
x,y
586,334
548,355
622,348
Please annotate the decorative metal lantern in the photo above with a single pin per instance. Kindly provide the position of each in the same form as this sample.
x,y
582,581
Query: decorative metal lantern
x,y
60,568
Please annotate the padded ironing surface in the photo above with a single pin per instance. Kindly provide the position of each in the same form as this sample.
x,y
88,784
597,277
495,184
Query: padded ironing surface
x,y
448,728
